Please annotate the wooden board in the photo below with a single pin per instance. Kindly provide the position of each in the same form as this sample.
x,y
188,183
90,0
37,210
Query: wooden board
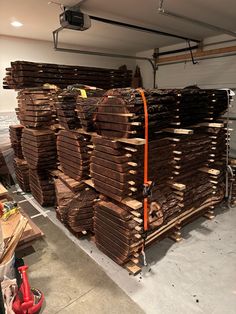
x,y
31,231
3,191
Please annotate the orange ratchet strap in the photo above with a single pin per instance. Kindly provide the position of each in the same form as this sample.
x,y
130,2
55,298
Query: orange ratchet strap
x,y
146,183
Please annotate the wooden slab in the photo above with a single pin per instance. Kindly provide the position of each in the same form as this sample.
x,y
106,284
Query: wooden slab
x,y
30,233
3,191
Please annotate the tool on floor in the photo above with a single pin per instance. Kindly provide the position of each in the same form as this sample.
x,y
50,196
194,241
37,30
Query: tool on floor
x,y
28,300
7,209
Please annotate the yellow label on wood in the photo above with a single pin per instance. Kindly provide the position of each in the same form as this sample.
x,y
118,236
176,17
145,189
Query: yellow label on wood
x,y
83,93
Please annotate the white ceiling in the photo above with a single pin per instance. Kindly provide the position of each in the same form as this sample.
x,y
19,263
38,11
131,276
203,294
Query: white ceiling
x,y
40,19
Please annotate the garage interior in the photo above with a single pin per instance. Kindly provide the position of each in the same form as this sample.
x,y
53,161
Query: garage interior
x,y
118,156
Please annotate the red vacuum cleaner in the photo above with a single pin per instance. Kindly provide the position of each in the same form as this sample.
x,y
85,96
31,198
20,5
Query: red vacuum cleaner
x,y
28,300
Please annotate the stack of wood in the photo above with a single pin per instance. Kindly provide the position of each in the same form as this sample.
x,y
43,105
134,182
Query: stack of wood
x,y
217,133
15,137
42,187
117,168
36,107
197,105
218,100
86,108
190,157
66,104
22,174
23,74
178,162
232,182
74,153
20,164
117,231
121,111
74,204
39,149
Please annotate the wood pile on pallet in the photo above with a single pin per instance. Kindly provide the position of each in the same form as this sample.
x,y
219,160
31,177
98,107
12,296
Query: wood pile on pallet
x,y
186,184
20,164
23,74
100,181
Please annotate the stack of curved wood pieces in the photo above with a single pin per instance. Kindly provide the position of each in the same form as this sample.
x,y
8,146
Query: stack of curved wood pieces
x,y
117,231
22,174
75,209
74,153
39,150
36,107
42,187
86,107
23,74
66,103
179,165
20,164
15,138
190,155
121,111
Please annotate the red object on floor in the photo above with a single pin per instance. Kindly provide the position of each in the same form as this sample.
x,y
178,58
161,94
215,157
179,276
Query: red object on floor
x,y
28,300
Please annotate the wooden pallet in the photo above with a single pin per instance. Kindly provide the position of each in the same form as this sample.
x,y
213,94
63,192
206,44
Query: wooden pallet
x,y
172,230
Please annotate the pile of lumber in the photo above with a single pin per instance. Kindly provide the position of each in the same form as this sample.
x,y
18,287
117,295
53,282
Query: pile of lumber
x,y
36,107
39,149
74,209
15,138
197,105
117,231
86,107
232,185
66,104
42,187
121,111
74,153
23,74
20,164
191,153
117,168
22,174
179,167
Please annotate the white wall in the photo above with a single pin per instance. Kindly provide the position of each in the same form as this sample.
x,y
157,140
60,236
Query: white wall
x,y
212,73
13,48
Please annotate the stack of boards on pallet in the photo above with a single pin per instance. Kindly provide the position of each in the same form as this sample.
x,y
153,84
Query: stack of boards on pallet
x,y
75,200
20,164
176,156
23,74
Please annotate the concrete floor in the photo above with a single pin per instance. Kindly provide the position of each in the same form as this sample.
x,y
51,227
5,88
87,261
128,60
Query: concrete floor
x,y
197,275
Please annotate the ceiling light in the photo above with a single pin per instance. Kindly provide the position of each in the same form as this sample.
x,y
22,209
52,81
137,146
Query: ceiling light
x,y
16,24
